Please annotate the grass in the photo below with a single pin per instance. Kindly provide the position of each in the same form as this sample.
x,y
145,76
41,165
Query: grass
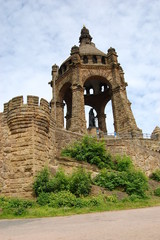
x,y
37,211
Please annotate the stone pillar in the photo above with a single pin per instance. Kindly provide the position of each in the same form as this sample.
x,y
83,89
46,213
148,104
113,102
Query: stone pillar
x,y
78,123
90,60
124,121
156,134
54,74
99,59
60,114
68,121
102,122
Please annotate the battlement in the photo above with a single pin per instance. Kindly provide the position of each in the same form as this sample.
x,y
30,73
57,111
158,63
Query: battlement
x,y
32,101
20,116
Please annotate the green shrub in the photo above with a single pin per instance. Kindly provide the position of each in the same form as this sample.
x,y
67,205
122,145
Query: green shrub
x,y
157,192
133,182
62,199
41,182
80,182
156,175
135,198
43,198
90,150
123,163
137,183
59,182
111,179
45,183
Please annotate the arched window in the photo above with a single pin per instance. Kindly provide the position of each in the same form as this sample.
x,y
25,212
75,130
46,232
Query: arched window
x,y
94,58
103,60
85,92
91,91
102,88
85,59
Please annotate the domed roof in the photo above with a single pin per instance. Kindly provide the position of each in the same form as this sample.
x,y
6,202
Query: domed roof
x,y
86,46
90,49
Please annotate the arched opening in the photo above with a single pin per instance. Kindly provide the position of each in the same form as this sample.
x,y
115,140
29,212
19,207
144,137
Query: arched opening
x,y
85,59
94,59
85,91
103,60
64,106
109,116
91,91
99,100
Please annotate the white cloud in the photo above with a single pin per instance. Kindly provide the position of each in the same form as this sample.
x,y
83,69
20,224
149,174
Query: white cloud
x,y
37,34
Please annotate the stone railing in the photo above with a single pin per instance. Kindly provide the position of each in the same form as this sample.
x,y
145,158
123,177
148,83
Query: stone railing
x,y
128,135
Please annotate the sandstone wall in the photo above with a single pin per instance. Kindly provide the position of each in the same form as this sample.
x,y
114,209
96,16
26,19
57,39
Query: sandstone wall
x,y
65,138
140,150
27,133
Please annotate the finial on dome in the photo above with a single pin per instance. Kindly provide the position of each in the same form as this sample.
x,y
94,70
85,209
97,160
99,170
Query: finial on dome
x,y
85,36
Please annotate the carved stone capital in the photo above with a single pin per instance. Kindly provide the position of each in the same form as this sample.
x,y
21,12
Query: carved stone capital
x,y
76,87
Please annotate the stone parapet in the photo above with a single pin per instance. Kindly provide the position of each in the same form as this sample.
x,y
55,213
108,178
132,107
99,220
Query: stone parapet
x,y
21,116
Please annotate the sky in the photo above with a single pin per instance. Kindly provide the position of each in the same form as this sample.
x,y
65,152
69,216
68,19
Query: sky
x,y
35,34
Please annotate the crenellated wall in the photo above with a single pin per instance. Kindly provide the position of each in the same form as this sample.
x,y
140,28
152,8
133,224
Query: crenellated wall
x,y
27,143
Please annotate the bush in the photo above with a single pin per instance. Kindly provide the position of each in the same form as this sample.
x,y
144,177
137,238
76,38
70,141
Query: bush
x,y
111,179
123,163
133,182
90,150
157,192
62,199
156,175
80,182
41,182
44,183
137,183
59,182
43,198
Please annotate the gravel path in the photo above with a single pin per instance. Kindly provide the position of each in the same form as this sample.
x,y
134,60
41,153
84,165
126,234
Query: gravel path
x,y
138,224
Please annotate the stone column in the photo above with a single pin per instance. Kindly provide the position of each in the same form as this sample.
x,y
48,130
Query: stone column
x,y
102,122
124,121
68,121
78,123
60,114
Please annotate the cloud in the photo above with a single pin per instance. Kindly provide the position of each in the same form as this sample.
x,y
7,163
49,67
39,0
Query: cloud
x,y
37,34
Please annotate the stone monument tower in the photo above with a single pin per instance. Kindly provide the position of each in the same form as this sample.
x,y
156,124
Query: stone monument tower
x,y
90,77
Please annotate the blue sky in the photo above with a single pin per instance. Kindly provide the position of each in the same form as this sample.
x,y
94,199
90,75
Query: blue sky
x,y
35,34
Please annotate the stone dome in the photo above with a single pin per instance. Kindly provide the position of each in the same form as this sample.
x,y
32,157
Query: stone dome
x,y
83,52
86,46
